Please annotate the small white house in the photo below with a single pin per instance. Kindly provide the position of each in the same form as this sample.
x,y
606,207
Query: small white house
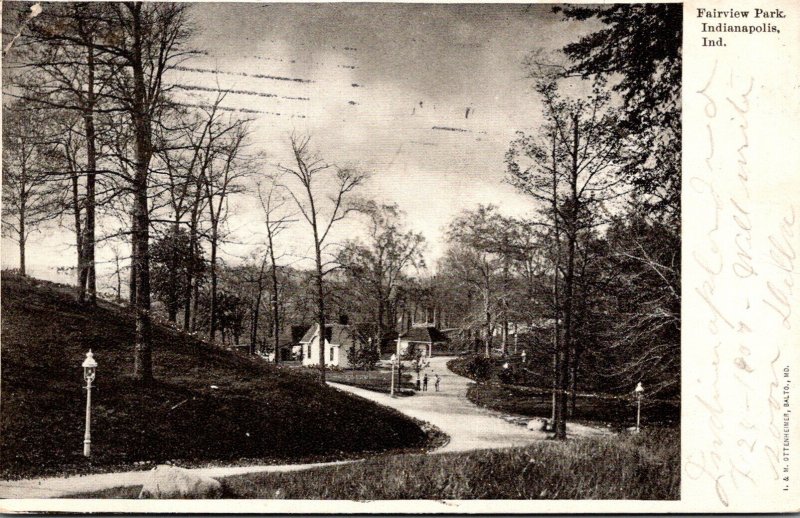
x,y
338,341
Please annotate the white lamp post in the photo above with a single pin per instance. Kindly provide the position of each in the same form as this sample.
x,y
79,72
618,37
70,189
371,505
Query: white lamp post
x,y
89,369
639,391
394,360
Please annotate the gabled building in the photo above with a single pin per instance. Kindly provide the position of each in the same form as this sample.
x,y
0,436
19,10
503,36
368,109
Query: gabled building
x,y
420,336
339,339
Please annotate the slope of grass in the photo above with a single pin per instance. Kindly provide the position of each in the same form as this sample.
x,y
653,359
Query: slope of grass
x,y
256,412
639,467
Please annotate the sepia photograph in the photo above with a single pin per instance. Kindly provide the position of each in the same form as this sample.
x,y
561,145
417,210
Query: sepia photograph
x,y
341,251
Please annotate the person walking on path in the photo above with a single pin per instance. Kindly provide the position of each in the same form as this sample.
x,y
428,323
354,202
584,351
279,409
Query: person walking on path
x,y
436,382
425,382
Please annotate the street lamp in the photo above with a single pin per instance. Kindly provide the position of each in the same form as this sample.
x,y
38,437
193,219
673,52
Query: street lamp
x,y
394,360
639,391
89,370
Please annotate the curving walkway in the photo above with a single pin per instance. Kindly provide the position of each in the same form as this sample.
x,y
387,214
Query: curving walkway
x,y
469,426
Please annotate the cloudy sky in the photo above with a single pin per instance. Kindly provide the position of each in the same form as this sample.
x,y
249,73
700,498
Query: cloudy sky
x,y
426,98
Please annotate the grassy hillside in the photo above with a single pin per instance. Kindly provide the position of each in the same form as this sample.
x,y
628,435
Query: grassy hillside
x,y
258,412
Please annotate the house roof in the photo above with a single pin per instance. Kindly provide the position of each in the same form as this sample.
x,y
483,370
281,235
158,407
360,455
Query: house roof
x,y
426,334
335,334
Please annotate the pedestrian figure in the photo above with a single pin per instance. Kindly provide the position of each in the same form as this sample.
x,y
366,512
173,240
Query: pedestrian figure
x,y
436,382
425,383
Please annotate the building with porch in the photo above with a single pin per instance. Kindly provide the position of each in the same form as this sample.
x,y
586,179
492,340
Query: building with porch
x,y
423,336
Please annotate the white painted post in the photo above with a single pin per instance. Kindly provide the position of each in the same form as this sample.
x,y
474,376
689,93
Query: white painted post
x,y
394,360
638,412
87,437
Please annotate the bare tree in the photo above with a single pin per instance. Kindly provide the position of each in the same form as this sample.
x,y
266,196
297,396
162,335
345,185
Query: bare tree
x,y
479,257
376,268
275,220
308,170
29,197
220,181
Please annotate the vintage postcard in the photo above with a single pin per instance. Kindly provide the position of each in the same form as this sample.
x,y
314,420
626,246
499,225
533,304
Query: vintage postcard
x,y
400,258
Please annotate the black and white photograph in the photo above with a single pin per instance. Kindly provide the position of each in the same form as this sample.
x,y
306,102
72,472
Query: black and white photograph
x,y
341,251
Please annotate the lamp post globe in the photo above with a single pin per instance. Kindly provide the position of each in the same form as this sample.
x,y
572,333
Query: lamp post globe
x,y
89,371
89,367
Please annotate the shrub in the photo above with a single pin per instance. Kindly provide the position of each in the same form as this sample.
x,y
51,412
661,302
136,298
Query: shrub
x,y
480,368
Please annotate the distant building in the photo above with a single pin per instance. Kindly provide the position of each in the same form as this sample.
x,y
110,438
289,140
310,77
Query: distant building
x,y
424,335
338,341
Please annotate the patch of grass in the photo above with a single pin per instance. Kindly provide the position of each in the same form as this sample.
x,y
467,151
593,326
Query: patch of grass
x,y
378,380
257,413
641,467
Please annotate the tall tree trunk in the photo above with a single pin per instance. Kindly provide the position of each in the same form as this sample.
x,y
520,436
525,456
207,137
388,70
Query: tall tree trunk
x,y
379,332
256,308
119,278
569,280
556,291
254,324
88,245
319,285
22,267
172,295
88,275
76,212
143,364
320,309
195,303
504,329
132,275
190,273
23,201
276,326
213,263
